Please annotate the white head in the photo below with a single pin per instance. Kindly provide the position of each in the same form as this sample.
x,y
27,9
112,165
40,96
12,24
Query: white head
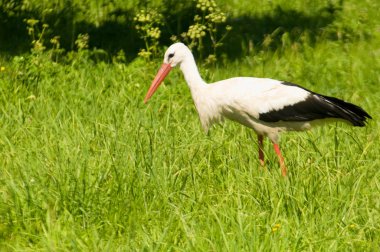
x,y
175,55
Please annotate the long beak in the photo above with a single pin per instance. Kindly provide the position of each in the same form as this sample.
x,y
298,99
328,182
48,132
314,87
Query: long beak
x,y
160,76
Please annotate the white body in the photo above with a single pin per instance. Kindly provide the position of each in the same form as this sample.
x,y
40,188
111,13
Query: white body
x,y
243,99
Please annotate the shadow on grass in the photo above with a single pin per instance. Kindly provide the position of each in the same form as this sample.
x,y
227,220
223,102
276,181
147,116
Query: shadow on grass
x,y
112,35
117,32
267,31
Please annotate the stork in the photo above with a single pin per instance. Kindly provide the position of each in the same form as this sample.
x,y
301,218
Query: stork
x,y
267,106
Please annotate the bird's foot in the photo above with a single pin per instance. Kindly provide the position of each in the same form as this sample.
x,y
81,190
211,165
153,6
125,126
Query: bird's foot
x,y
262,162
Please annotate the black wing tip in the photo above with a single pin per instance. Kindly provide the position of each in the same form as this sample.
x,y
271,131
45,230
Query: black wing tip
x,y
348,111
361,122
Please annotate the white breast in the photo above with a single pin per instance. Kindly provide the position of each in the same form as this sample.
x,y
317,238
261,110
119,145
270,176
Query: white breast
x,y
208,108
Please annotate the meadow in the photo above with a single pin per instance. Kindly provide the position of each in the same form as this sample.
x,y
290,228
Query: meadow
x,y
85,165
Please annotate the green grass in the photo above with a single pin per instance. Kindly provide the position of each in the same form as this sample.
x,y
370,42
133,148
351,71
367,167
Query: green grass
x,y
86,166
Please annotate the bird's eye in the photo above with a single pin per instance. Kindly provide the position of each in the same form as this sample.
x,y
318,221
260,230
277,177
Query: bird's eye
x,y
170,55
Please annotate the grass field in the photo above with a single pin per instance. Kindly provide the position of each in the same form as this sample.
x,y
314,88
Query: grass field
x,y
86,166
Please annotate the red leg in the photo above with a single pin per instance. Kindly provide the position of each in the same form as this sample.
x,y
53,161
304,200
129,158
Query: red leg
x,y
261,153
281,159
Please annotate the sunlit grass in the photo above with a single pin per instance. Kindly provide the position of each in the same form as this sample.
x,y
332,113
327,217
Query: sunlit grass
x,y
85,165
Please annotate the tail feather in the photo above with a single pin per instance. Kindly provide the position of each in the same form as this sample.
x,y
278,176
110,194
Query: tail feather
x,y
348,111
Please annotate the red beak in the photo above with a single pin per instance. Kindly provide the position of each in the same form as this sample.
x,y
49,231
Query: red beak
x,y
160,76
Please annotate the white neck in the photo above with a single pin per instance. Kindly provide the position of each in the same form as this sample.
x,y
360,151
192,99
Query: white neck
x,y
206,106
191,73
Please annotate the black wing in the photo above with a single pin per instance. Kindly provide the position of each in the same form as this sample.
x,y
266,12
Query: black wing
x,y
317,106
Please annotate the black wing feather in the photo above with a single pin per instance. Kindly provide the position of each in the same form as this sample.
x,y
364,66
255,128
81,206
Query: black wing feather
x,y
315,107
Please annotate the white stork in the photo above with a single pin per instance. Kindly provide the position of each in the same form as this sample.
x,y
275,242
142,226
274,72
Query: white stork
x,y
265,105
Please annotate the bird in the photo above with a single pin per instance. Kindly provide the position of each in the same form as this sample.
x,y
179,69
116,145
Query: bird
x,y
267,106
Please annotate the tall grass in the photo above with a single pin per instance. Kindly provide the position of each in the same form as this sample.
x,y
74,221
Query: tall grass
x,y
86,166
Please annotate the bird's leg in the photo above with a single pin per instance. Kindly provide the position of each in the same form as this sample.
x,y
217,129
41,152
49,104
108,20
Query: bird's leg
x,y
261,153
281,159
